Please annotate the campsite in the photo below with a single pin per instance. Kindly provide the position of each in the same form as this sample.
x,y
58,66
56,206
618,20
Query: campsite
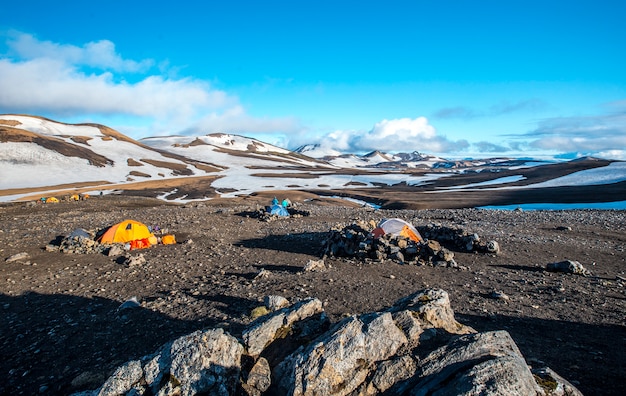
x,y
66,323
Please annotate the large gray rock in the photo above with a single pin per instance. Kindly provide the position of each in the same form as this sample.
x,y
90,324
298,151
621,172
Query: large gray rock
x,y
554,384
485,363
363,351
416,347
388,374
339,362
203,362
258,379
266,329
432,309
122,380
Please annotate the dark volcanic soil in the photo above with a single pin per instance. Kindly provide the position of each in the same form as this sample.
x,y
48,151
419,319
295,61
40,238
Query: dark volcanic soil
x,y
61,330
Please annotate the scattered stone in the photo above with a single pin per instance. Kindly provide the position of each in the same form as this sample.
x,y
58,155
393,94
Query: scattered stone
x,y
493,247
314,266
135,261
274,303
17,257
568,266
116,250
263,274
51,248
498,295
129,304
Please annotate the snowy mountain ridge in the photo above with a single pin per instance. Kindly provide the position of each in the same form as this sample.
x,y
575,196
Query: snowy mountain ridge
x,y
39,155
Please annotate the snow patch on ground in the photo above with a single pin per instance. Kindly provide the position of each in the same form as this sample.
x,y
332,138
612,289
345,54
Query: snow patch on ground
x,y
615,172
618,205
500,180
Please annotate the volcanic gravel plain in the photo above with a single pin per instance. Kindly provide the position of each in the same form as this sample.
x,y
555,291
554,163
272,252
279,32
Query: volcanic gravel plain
x,y
62,329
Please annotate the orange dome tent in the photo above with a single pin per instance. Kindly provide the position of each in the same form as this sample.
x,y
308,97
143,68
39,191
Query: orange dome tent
x,y
396,227
138,234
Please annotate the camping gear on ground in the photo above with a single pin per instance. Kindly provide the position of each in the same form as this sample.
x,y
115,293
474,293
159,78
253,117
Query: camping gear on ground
x,y
278,210
286,202
168,239
129,231
275,201
75,197
397,227
51,200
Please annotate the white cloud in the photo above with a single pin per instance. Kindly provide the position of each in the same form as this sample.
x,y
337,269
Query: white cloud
x,y
502,108
49,79
600,135
235,120
99,54
52,86
612,154
403,134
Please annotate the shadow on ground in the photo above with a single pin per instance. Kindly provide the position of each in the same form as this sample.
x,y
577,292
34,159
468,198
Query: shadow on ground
x,y
574,350
301,243
72,336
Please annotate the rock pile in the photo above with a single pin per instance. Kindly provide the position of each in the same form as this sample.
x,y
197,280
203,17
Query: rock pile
x,y
415,347
79,241
357,240
264,214
459,238
569,267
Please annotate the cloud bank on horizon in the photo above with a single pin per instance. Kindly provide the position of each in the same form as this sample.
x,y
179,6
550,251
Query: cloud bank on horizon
x,y
93,81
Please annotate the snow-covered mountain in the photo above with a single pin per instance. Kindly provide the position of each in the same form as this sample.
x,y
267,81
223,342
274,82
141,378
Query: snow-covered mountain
x,y
37,152
40,156
228,149
413,160
317,151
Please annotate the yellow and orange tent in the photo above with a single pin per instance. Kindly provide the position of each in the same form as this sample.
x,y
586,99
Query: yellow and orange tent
x,y
129,231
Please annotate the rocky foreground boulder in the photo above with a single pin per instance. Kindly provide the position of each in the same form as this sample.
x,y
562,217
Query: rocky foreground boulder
x,y
415,347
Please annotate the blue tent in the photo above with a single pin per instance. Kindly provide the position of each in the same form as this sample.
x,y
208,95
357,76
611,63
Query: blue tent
x,y
278,210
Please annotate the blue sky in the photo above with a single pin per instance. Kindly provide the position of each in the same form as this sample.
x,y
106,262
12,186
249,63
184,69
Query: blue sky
x,y
454,78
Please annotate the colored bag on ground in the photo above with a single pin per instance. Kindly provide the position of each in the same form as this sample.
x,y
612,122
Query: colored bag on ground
x,y
168,239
